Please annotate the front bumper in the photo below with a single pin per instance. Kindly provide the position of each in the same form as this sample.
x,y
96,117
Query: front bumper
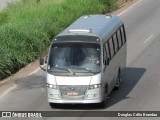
x,y
91,96
75,101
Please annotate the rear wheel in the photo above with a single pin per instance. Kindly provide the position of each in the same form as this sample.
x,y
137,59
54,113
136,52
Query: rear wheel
x,y
117,86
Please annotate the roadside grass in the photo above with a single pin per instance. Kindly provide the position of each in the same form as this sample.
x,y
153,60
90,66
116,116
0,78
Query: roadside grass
x,y
28,26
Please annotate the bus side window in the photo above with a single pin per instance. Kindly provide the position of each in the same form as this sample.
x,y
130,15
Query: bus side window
x,y
115,43
107,50
104,54
123,34
119,38
111,47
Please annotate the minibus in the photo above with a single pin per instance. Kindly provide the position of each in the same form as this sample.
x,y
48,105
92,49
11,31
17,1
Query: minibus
x,y
86,61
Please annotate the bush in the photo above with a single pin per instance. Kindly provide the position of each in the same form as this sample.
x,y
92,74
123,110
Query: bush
x,y
27,27
109,5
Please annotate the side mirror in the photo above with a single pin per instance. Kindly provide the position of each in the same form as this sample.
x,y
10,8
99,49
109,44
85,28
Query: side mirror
x,y
42,61
46,59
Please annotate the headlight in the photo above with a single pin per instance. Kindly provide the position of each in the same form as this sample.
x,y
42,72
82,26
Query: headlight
x,y
52,86
95,86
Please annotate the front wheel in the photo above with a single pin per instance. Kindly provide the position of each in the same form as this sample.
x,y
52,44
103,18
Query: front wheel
x,y
53,105
104,103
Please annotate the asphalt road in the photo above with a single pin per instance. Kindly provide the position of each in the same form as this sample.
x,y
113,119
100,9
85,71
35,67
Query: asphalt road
x,y
140,89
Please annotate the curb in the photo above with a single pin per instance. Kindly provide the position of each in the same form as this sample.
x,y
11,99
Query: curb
x,y
22,73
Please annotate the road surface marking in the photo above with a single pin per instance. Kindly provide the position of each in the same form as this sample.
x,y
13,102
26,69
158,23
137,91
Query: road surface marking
x,y
35,71
148,39
129,8
8,90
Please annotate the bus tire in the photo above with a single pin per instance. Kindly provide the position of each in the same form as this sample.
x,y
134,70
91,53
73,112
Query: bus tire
x,y
52,105
117,86
104,103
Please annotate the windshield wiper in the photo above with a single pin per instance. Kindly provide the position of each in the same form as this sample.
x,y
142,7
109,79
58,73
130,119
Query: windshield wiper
x,y
87,70
66,69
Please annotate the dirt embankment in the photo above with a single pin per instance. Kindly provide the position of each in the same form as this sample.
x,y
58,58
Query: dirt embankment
x,y
122,3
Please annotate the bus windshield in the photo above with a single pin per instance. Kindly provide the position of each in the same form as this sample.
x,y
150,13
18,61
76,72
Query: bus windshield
x,y
74,58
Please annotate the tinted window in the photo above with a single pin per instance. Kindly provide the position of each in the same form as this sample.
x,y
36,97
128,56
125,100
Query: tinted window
x,y
111,47
119,38
105,52
123,34
115,42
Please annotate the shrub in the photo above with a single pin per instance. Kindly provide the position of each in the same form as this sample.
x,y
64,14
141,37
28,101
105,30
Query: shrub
x,y
27,27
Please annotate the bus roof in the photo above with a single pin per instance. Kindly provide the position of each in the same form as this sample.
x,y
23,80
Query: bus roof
x,y
101,26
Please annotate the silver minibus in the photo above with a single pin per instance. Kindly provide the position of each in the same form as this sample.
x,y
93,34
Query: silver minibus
x,y
86,60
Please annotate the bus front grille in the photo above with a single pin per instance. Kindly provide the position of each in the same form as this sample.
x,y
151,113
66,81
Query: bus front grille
x,y
73,92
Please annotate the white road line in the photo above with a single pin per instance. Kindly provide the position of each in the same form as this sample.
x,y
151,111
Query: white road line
x,y
129,8
8,90
35,71
148,39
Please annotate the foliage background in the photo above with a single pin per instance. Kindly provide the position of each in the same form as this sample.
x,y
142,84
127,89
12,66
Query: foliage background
x,y
28,26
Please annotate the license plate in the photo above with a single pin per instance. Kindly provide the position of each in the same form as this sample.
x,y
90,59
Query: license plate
x,y
72,93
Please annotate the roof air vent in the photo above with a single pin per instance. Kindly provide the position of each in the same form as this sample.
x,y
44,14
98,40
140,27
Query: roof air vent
x,y
80,31
86,16
108,16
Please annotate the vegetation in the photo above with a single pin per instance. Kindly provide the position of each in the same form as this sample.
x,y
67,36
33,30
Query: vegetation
x,y
27,27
